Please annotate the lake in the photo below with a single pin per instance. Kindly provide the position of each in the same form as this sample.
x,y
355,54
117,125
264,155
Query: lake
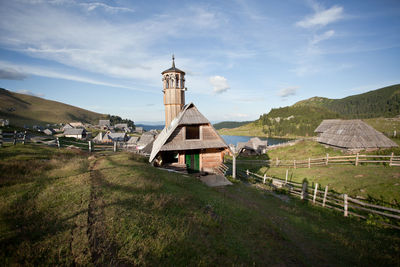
x,y
234,139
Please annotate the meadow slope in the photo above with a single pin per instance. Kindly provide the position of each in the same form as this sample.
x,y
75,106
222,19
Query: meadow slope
x,y
66,207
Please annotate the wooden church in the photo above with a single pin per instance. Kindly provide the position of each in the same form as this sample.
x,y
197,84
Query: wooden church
x,y
188,139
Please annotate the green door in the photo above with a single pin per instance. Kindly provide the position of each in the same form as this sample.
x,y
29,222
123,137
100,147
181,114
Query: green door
x,y
192,160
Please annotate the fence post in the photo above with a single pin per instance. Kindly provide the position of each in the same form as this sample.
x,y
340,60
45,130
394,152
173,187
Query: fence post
x,y
1,138
90,146
23,141
15,138
309,163
357,159
265,177
345,205
234,166
304,191
276,161
394,133
287,171
315,192
391,159
294,163
58,142
327,158
115,146
325,194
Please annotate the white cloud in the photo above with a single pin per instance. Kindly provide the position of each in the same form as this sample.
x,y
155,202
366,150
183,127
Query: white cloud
x,y
7,73
219,83
95,5
288,91
51,73
27,92
322,17
119,49
325,36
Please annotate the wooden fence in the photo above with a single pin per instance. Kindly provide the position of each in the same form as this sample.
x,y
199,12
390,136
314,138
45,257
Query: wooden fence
x,y
332,200
22,137
391,160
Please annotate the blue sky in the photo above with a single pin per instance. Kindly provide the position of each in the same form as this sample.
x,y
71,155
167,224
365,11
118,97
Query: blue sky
x,y
241,58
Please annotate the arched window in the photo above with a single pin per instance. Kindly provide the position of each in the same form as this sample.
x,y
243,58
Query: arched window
x,y
177,81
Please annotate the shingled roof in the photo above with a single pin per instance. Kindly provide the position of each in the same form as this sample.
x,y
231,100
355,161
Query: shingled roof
x,y
188,116
354,134
326,124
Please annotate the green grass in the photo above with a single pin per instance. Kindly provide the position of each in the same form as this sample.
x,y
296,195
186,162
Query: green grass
x,y
67,208
302,151
377,182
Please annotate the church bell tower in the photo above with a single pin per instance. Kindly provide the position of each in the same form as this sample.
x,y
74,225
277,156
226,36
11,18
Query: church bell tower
x,y
174,92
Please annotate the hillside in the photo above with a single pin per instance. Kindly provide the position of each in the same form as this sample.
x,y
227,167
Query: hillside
x,y
229,124
303,117
60,207
383,102
287,121
23,109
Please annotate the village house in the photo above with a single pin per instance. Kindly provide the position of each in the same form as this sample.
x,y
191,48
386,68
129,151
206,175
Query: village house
x,y
123,127
75,133
352,135
138,129
49,131
110,137
4,122
145,139
188,138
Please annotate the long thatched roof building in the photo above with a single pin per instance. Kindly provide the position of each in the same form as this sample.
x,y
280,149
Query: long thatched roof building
x,y
352,135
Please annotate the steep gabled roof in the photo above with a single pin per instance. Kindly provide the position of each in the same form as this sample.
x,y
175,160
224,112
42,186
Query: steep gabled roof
x,y
355,134
189,115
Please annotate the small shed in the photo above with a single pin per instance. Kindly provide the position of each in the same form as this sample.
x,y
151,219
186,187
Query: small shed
x,y
75,133
255,146
353,135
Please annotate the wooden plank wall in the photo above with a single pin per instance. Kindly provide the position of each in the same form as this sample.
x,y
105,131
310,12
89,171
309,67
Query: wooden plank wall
x,y
210,159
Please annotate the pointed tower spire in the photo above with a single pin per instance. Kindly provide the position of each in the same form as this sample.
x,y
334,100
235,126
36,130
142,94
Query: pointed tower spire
x,y
173,61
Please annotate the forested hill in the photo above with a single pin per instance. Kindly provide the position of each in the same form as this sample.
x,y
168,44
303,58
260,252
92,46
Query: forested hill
x,y
23,109
384,102
230,124
302,118
294,120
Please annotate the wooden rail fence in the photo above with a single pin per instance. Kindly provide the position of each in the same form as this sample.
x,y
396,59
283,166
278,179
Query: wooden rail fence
x,y
22,137
391,160
332,200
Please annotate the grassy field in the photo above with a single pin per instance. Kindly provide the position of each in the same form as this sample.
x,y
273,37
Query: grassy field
x,y
65,207
378,183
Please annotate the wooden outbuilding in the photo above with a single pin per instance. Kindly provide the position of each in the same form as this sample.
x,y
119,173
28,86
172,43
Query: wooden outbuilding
x,y
188,140
352,135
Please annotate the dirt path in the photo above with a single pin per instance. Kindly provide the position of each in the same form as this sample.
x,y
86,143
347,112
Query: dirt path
x,y
102,248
